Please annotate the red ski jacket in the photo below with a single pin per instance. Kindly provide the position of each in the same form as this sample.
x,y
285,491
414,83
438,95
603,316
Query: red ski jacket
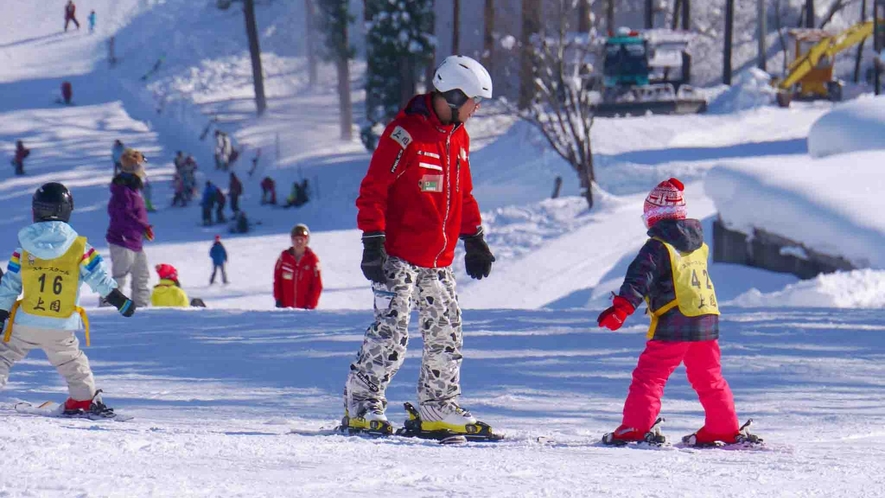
x,y
297,284
418,189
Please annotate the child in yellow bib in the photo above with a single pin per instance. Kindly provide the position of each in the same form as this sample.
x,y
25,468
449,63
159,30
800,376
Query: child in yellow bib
x,y
670,274
47,270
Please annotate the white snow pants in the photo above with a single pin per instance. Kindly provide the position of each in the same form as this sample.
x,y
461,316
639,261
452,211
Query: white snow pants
x,y
432,290
126,262
61,347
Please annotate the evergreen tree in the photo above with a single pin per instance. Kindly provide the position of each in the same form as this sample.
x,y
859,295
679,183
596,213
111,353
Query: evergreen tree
x,y
398,46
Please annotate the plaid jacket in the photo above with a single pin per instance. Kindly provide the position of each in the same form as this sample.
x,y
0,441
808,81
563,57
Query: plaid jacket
x,y
650,276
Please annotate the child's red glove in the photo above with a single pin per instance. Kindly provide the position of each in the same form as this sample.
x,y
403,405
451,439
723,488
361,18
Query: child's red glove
x,y
149,233
614,316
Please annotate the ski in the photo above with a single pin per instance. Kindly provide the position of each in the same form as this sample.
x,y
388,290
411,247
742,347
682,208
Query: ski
x,y
52,409
653,438
745,440
478,432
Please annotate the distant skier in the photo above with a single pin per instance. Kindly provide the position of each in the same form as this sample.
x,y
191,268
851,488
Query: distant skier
x,y
670,274
18,161
116,153
67,92
235,190
222,150
268,191
300,194
46,316
71,14
297,282
219,258
91,22
210,197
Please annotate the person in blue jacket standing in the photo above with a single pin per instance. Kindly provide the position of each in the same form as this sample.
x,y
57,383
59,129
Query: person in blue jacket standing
x,y
210,196
219,258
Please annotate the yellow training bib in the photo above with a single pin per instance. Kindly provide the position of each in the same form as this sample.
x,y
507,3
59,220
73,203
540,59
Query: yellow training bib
x,y
50,285
695,295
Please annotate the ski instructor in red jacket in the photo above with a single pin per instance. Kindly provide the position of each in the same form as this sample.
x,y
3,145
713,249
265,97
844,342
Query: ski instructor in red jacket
x,y
297,282
414,204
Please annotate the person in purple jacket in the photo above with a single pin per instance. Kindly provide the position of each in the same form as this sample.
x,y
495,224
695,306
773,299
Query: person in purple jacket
x,y
129,227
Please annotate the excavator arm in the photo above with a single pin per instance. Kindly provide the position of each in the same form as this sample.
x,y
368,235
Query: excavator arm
x,y
827,47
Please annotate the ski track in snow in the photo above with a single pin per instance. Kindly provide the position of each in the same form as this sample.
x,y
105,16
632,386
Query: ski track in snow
x,y
215,401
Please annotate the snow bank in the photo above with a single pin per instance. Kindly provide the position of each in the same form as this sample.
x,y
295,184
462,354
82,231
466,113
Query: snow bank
x,y
856,289
812,201
853,126
753,89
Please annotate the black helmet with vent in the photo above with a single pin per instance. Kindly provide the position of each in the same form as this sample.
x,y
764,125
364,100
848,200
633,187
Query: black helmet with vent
x,y
52,202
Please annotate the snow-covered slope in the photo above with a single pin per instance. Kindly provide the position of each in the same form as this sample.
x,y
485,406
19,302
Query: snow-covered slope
x,y
850,127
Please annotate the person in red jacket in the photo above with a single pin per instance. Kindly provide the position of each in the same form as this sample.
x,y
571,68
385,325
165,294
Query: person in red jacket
x,y
297,282
670,274
18,161
415,202
71,14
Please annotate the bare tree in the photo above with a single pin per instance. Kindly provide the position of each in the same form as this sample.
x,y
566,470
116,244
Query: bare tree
x,y
334,17
488,36
310,44
809,13
255,53
531,25
857,57
726,53
562,108
456,26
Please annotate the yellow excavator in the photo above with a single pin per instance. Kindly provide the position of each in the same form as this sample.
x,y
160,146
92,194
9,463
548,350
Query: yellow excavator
x,y
810,75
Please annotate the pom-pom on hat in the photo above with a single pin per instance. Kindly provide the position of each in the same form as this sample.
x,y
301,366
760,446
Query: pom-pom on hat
x,y
664,202
167,272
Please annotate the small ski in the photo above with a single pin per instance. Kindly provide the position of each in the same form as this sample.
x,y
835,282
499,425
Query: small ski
x,y
53,410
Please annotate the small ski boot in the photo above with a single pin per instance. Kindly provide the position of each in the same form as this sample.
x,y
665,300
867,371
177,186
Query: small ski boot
x,y
457,426
623,436
91,408
369,422
703,439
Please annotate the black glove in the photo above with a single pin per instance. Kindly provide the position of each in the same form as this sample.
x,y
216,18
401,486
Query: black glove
x,y
373,256
479,257
279,304
121,302
4,315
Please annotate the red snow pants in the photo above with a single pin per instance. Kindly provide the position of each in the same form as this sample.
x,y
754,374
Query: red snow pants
x,y
704,371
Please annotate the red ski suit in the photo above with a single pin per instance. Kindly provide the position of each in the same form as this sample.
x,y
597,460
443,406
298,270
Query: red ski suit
x,y
297,284
418,189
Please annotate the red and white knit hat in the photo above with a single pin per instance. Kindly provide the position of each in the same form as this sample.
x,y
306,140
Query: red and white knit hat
x,y
664,202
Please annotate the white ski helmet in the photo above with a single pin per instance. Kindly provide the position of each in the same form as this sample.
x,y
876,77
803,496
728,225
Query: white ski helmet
x,y
463,73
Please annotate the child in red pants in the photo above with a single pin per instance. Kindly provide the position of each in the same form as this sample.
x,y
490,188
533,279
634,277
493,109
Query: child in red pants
x,y
670,274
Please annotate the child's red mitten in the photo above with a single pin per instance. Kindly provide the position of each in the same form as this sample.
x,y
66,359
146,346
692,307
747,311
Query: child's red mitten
x,y
613,317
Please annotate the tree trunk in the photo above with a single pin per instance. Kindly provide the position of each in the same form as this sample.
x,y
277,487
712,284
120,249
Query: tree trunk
x,y
345,106
407,79
310,45
583,16
863,17
726,53
488,39
809,13
762,31
649,14
677,10
456,27
557,187
430,68
585,175
686,15
610,17
531,25
255,53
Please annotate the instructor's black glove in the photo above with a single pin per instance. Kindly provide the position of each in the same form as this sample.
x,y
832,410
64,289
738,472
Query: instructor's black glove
x,y
4,315
479,257
373,256
279,304
121,302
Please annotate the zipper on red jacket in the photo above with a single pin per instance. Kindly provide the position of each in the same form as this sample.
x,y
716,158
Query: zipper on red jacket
x,y
448,193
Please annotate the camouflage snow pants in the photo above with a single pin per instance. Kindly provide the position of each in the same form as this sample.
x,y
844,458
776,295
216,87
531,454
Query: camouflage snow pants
x,y
384,346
